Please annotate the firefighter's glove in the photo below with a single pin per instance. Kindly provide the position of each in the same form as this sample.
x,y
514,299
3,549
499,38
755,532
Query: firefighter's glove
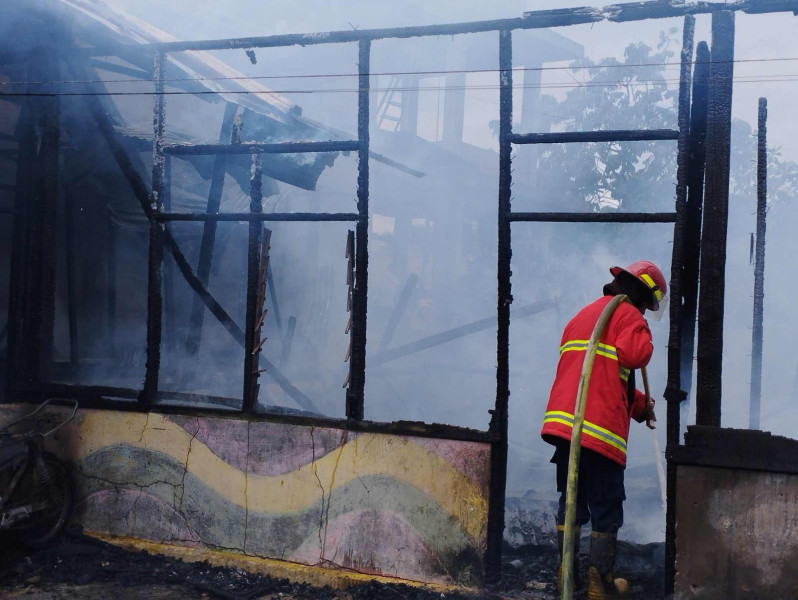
x,y
649,416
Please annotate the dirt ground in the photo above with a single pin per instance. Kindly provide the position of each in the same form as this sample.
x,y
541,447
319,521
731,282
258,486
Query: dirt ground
x,y
79,567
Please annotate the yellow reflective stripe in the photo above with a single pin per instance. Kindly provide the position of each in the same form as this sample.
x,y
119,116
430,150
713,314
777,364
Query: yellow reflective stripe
x,y
603,349
650,283
625,373
591,429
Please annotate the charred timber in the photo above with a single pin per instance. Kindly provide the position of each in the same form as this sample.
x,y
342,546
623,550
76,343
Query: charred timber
x,y
609,217
694,211
608,135
499,417
344,217
759,264
541,19
209,230
157,229
673,391
261,148
357,365
715,223
254,253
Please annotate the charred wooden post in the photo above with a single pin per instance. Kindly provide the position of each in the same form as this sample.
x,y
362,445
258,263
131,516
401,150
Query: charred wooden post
x,y
499,418
674,394
155,262
209,230
716,215
357,382
692,236
253,273
759,265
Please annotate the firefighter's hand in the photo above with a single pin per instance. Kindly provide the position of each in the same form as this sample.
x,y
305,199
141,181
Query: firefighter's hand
x,y
649,415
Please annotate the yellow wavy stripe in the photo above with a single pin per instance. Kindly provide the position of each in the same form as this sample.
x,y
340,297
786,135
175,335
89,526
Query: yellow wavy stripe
x,y
368,454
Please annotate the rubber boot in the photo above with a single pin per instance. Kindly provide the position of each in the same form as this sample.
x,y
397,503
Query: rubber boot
x,y
601,583
560,541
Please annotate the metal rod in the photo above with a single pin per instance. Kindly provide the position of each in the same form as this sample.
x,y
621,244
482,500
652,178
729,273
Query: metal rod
x,y
209,231
622,135
261,148
346,217
759,265
357,381
155,259
541,19
499,422
673,394
609,217
716,215
253,272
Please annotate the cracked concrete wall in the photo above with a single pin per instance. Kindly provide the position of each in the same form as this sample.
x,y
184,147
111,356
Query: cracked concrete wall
x,y
414,508
736,534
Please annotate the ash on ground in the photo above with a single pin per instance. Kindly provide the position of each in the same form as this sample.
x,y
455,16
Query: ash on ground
x,y
79,566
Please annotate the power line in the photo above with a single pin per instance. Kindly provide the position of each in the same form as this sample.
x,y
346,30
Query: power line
x,y
786,78
389,73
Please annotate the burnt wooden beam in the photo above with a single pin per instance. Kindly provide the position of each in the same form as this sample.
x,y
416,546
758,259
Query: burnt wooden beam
x,y
300,217
590,217
209,230
692,235
715,224
357,380
253,272
499,415
569,137
156,246
759,264
261,148
673,391
539,19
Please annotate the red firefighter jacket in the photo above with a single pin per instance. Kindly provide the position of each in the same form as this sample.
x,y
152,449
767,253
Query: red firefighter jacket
x,y
625,345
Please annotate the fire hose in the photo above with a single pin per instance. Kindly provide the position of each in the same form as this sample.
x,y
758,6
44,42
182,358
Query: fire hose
x,y
567,590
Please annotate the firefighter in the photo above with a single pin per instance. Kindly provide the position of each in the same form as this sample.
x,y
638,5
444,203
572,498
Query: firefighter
x,y
612,400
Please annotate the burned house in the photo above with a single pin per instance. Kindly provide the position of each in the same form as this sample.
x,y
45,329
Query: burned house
x,y
179,260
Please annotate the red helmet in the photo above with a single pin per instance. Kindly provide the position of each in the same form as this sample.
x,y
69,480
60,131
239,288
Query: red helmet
x,y
648,273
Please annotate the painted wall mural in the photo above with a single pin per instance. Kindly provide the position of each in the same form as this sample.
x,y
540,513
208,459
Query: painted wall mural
x,y
414,508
